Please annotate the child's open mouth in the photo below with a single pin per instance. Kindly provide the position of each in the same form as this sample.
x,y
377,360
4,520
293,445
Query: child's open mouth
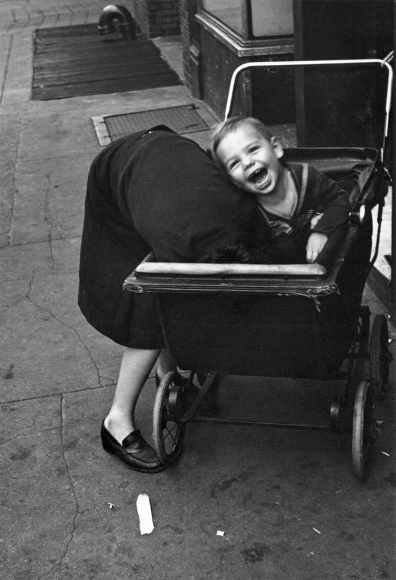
x,y
259,177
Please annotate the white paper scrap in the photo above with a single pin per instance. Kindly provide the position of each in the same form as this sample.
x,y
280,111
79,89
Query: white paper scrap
x,y
144,512
219,533
317,531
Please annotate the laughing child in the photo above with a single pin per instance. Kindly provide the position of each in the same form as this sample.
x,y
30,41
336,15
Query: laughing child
x,y
300,206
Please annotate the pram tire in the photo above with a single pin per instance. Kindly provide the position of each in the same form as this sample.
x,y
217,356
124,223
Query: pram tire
x,y
380,356
364,430
168,429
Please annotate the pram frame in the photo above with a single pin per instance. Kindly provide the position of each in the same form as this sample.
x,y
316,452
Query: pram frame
x,y
311,63
367,362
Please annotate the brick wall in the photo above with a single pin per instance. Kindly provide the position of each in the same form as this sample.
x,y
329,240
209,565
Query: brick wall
x,y
157,17
190,37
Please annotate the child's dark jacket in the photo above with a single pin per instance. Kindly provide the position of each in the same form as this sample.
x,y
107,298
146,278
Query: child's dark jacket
x,y
317,194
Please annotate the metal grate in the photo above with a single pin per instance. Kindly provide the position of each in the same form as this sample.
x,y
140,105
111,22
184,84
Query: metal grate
x,y
182,119
71,61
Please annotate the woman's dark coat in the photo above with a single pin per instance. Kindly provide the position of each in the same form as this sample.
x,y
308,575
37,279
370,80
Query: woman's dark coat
x,y
151,191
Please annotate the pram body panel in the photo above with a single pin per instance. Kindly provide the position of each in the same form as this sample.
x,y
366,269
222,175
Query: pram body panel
x,y
274,334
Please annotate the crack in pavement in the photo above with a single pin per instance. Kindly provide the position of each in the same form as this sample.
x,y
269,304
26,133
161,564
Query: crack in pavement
x,y
48,219
62,239
24,435
77,510
6,68
15,189
48,311
71,392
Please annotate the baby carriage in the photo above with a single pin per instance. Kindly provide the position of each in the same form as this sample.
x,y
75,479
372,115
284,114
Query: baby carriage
x,y
300,321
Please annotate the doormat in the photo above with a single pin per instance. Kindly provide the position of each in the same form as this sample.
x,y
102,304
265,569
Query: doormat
x,y
73,61
182,119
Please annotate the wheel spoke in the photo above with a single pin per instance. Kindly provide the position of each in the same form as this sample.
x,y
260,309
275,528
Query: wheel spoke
x,y
170,432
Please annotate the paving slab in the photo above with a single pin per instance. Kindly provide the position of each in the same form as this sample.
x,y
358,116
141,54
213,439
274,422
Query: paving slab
x,y
17,74
46,345
35,487
9,128
56,209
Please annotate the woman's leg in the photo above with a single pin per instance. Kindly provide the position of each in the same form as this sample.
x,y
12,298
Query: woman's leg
x,y
118,433
166,363
135,368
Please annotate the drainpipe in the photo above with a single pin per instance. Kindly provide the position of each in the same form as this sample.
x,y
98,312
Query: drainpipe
x,y
117,18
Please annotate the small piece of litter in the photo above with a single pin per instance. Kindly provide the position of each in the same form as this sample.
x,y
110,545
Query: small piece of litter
x,y
379,422
317,531
219,533
144,512
385,453
111,505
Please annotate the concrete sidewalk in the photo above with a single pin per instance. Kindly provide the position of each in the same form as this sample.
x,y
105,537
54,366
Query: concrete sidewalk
x,y
287,501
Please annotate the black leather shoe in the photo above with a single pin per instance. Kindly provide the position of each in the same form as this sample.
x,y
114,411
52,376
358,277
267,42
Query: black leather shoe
x,y
135,452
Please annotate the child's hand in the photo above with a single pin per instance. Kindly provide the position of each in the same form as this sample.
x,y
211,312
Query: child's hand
x,y
315,245
315,219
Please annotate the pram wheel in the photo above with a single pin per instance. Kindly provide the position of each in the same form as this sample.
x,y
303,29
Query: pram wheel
x,y
364,430
380,357
168,429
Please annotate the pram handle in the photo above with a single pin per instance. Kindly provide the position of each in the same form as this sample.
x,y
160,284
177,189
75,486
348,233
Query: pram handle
x,y
148,267
297,63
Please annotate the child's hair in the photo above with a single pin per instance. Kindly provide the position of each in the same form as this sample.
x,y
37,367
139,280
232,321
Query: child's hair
x,y
234,254
228,126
